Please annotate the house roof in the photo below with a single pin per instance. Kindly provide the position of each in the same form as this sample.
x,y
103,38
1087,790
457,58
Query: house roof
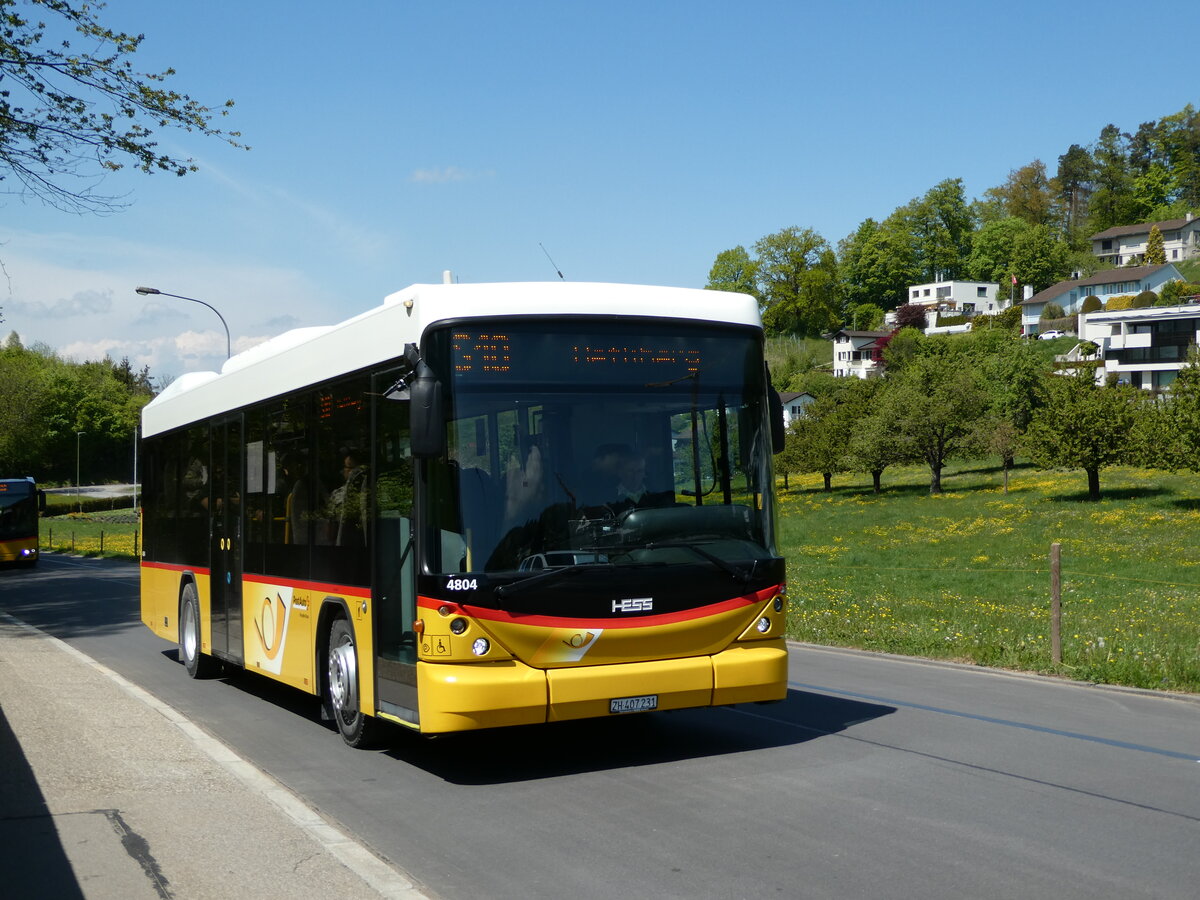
x,y
1144,228
789,396
1108,276
858,334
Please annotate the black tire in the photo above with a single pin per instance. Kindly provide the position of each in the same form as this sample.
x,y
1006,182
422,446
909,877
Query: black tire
x,y
341,688
194,661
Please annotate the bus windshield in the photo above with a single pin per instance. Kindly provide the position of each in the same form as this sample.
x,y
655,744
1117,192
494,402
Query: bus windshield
x,y
18,509
581,444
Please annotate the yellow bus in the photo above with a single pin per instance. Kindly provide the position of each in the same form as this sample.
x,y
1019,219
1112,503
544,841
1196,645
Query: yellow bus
x,y
479,505
20,503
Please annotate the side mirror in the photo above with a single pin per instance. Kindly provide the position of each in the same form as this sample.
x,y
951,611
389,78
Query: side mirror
x,y
428,414
778,434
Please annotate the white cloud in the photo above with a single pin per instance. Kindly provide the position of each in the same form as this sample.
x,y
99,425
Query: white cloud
x,y
82,303
75,293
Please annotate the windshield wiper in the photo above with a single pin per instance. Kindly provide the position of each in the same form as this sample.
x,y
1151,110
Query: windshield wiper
x,y
738,574
548,577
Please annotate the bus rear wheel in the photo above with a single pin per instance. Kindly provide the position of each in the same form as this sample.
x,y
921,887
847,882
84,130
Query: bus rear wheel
x,y
341,688
194,661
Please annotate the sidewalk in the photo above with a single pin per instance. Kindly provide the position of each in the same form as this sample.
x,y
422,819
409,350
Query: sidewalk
x,y
105,792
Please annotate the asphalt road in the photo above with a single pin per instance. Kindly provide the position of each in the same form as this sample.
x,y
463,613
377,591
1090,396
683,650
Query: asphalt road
x,y
878,777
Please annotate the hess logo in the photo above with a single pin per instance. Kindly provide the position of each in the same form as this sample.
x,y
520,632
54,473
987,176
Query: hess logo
x,y
633,604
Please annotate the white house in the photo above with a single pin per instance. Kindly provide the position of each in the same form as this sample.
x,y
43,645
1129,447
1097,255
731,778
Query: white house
x,y
1109,283
857,353
1124,244
1142,347
794,405
959,297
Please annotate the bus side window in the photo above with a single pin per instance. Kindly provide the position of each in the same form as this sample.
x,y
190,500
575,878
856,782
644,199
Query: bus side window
x,y
288,514
340,523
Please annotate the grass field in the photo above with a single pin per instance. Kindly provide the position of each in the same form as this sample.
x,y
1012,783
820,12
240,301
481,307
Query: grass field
x,y
965,575
92,534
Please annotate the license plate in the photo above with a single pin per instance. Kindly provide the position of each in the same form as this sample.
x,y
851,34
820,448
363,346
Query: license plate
x,y
633,704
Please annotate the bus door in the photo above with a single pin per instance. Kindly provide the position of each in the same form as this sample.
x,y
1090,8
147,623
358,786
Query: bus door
x,y
226,530
393,552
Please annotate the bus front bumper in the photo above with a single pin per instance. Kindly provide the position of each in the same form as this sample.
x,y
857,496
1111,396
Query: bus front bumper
x,y
490,695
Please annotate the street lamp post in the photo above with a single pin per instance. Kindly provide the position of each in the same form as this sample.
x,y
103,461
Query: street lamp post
x,y
78,499
144,291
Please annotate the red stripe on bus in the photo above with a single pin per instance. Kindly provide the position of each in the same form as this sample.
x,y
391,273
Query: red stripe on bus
x,y
172,567
342,590
497,615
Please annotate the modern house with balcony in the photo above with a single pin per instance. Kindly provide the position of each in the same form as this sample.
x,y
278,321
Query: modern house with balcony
x,y
959,297
858,353
1142,347
1125,244
1109,283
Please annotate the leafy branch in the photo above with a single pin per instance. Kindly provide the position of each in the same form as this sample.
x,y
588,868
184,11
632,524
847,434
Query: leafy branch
x,y
68,117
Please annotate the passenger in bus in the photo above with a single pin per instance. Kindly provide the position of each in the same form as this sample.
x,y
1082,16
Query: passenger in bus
x,y
298,526
349,502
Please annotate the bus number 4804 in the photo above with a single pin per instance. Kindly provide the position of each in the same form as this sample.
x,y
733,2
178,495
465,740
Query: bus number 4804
x,y
462,584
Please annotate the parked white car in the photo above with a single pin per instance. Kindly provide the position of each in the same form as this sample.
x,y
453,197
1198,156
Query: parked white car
x,y
1051,335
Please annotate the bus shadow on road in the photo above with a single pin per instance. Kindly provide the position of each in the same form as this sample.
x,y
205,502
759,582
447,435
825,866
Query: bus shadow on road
x,y
533,752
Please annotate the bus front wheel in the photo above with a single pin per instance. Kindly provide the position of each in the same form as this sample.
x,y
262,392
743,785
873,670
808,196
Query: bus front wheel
x,y
196,663
341,687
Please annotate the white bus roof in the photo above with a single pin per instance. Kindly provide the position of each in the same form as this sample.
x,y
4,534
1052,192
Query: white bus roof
x,y
308,356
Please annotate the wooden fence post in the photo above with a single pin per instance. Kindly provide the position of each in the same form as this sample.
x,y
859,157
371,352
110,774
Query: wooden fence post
x,y
1056,603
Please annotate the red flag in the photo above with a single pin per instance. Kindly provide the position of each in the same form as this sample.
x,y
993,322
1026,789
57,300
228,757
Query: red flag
x,y
1014,279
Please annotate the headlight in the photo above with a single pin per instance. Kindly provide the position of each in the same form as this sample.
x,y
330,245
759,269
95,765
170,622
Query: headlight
x,y
764,625
481,647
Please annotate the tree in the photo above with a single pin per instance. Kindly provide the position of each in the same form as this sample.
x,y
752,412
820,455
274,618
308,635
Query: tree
x,y
60,398
1040,257
1171,432
874,443
1026,195
935,404
1112,201
1085,425
797,282
991,256
942,224
735,271
1156,254
78,114
817,441
886,264
1073,186
1015,374
864,317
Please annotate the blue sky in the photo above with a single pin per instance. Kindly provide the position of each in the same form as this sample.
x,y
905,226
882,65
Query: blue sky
x,y
634,140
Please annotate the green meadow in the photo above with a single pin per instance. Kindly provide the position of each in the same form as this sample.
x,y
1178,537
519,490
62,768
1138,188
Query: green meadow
x,y
965,575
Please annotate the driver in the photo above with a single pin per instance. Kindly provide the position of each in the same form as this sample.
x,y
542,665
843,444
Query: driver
x,y
631,491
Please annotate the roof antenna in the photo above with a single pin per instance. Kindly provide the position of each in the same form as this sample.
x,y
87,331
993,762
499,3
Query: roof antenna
x,y
547,252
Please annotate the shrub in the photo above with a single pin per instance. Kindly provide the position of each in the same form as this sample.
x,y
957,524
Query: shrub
x,y
911,315
1144,300
1091,303
1052,311
1121,301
